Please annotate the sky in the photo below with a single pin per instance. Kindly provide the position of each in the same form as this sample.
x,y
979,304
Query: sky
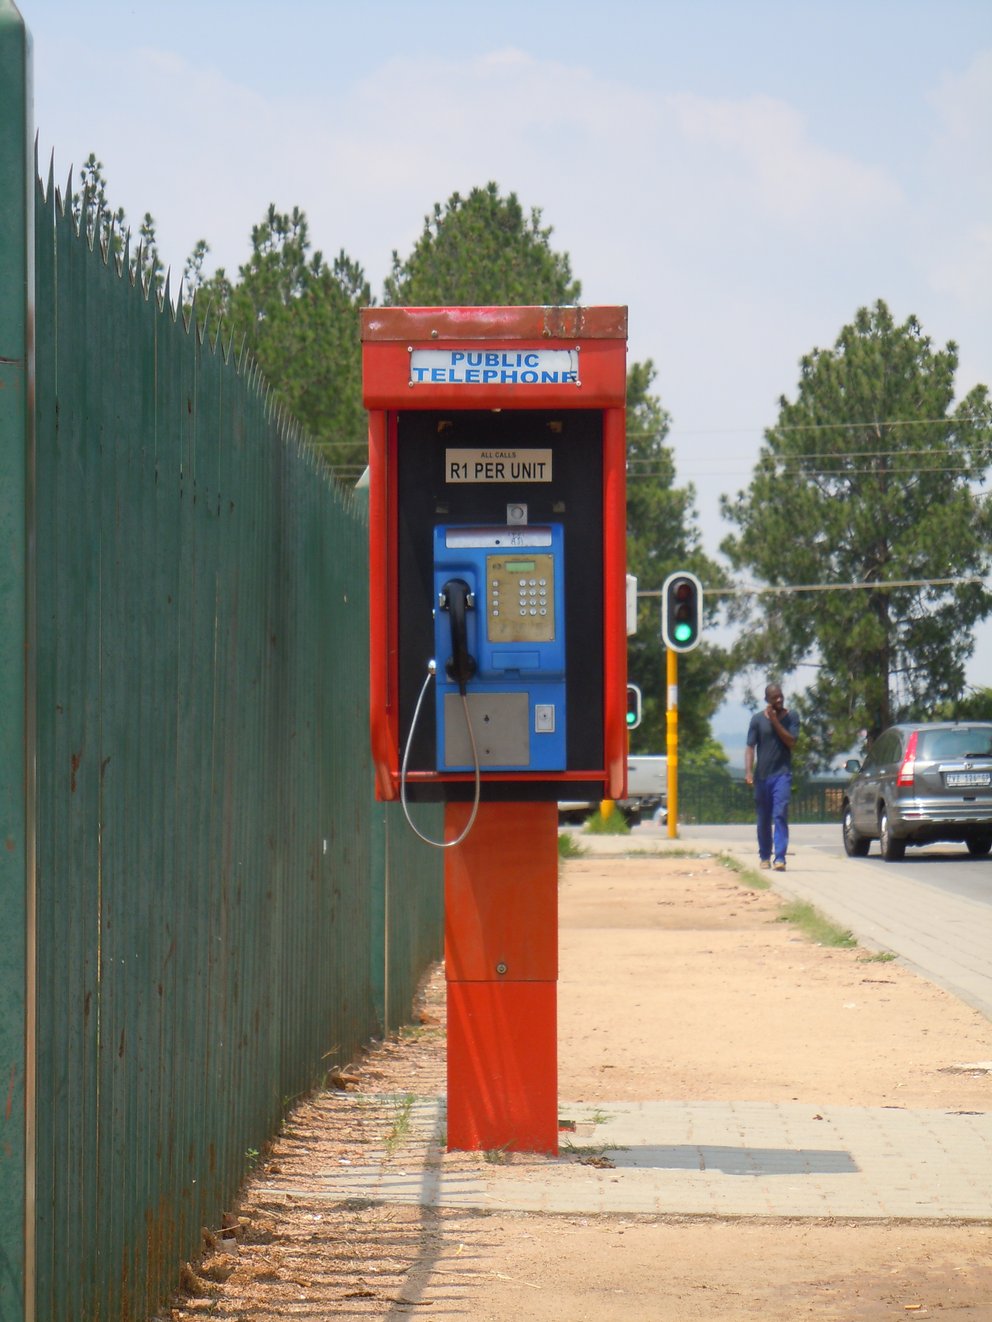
x,y
743,177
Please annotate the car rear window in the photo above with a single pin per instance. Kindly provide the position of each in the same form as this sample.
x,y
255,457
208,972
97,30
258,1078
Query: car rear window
x,y
938,745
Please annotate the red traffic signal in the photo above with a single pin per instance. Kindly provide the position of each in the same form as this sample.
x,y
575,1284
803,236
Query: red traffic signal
x,y
681,611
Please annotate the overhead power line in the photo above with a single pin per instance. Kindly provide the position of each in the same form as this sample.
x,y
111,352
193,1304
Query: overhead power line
x,y
753,590
845,454
820,426
746,431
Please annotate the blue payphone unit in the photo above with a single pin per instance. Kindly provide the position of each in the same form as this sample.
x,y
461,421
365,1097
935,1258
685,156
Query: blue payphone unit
x,y
499,643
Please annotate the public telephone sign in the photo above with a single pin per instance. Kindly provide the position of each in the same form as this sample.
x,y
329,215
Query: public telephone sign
x,y
494,367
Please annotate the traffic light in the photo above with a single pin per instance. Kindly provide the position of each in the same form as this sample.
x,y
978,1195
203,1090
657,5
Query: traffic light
x,y
681,611
633,706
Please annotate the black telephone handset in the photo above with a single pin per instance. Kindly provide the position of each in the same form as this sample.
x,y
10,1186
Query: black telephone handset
x,y
456,599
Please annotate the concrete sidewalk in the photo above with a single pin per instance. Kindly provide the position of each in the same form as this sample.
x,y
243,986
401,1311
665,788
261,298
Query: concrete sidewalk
x,y
737,1159
699,1159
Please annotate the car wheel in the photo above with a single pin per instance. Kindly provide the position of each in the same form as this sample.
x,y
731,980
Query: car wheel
x,y
979,845
893,849
856,845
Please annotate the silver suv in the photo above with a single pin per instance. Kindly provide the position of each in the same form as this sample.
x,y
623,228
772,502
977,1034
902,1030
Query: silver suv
x,y
921,783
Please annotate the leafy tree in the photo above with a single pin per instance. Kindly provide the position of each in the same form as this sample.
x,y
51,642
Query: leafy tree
x,y
193,276
92,212
869,477
973,706
146,264
706,756
662,537
482,251
91,208
298,316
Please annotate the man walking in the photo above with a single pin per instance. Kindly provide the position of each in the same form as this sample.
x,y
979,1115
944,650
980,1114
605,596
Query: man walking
x,y
771,737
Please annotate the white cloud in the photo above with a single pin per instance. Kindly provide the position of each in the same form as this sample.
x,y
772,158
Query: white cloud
x,y
964,103
964,270
760,146
955,248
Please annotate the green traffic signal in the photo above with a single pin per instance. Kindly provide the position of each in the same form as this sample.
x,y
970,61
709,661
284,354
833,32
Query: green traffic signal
x,y
681,611
633,706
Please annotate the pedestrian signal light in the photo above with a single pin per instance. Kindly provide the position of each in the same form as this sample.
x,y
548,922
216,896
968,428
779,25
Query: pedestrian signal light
x,y
633,706
681,611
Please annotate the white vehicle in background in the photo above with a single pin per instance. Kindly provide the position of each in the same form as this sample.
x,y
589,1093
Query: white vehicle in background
x,y
647,794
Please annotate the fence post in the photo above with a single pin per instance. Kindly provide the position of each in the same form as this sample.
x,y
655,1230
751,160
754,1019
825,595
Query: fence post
x,y
16,670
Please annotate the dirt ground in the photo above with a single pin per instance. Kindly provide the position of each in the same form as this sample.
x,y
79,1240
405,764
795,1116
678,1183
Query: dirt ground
x,y
677,982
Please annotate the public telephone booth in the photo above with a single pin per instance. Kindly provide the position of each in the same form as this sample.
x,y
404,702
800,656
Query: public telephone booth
x,y
498,646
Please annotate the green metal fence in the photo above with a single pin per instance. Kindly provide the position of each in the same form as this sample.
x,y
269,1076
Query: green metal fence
x,y
16,867
216,924
711,797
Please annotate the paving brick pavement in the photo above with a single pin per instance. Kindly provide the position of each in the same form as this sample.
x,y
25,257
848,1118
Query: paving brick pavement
x,y
686,1159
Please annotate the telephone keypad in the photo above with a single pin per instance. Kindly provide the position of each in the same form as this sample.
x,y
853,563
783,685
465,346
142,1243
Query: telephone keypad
x,y
528,580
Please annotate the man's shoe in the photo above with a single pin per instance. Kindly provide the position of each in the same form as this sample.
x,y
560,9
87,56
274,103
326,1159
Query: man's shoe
x,y
765,863
779,865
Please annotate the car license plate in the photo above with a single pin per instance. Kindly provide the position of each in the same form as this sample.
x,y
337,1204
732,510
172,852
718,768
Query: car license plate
x,y
968,780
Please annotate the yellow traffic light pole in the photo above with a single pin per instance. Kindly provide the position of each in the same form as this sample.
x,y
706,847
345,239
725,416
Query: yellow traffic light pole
x,y
672,741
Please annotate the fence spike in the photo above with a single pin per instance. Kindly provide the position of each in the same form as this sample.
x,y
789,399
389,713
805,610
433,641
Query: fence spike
x,y
184,310
191,312
112,250
65,202
126,267
218,329
93,238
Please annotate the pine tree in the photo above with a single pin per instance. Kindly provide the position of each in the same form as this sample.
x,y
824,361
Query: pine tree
x,y
869,477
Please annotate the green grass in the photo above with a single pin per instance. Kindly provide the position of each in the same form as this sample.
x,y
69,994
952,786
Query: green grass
x,y
590,1149
569,847
813,925
666,852
880,957
747,876
614,824
401,1124
802,915
418,1032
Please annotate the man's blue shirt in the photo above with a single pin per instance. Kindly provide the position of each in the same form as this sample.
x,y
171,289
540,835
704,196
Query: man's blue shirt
x,y
772,758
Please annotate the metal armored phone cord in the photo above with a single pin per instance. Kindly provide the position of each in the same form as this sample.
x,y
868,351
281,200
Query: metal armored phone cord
x,y
439,844
455,598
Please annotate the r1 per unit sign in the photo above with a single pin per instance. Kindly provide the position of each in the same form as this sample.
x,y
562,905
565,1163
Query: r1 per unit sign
x,y
497,465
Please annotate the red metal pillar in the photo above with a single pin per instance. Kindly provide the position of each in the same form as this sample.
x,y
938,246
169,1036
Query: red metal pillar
x,y
501,960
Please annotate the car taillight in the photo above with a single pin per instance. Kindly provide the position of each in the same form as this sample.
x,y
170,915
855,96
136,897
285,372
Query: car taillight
x,y
908,769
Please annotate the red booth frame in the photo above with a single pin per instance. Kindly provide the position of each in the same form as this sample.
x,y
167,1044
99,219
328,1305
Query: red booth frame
x,y
389,335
